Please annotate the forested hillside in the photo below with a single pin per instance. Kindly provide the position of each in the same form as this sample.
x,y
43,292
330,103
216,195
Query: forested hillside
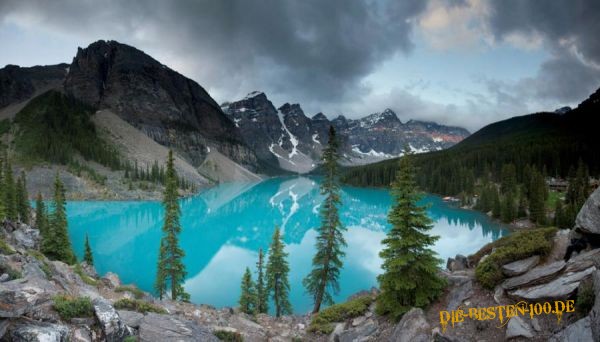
x,y
549,142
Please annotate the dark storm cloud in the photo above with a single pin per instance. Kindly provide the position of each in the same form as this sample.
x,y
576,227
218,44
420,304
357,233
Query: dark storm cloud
x,y
570,29
313,49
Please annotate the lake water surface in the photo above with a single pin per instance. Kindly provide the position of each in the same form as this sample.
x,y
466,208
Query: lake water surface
x,y
224,227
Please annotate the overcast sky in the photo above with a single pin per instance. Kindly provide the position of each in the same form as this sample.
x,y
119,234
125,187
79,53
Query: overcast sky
x,y
461,62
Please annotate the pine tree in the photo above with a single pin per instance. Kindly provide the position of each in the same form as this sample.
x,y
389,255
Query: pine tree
x,y
262,295
277,275
322,281
41,222
88,257
22,199
160,283
508,208
9,191
248,294
537,210
497,206
59,246
2,192
522,209
409,264
171,269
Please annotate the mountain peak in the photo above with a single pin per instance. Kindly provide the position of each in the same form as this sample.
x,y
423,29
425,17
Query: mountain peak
x,y
387,116
319,117
254,94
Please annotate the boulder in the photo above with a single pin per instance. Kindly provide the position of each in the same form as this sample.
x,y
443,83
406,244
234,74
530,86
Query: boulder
x,y
560,288
536,275
412,327
25,237
588,218
576,332
111,280
157,327
559,247
520,266
337,331
461,291
584,260
112,326
39,332
517,327
459,263
595,313
359,333
81,334
20,296
131,318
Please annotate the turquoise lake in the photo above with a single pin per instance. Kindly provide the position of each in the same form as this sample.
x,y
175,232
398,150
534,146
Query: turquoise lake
x,y
224,227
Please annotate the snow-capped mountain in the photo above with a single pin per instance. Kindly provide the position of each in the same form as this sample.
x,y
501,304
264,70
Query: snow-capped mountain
x,y
288,139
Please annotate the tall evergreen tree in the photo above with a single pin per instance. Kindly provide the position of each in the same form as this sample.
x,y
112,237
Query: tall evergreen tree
x,y
262,295
88,257
497,206
41,222
537,210
9,190
508,208
409,264
22,199
248,294
2,192
160,283
171,267
277,275
322,281
59,246
522,209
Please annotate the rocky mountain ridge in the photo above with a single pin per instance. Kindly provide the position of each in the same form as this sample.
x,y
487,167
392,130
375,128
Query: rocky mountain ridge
x,y
286,137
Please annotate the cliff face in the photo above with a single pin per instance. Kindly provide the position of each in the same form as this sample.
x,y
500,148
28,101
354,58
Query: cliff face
x,y
170,108
19,84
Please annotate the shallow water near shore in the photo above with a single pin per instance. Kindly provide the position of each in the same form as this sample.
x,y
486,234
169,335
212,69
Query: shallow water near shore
x,y
224,227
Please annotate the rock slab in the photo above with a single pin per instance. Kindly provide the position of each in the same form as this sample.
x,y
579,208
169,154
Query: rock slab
x,y
536,275
156,327
113,327
413,327
520,266
588,219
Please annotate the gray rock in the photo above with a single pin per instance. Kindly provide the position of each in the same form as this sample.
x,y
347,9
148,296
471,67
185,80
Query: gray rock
x,y
156,327
584,260
459,293
576,332
560,288
413,327
113,327
337,331
520,266
4,277
4,324
588,218
359,333
536,275
26,237
460,262
112,280
20,296
39,332
131,318
595,313
81,334
517,327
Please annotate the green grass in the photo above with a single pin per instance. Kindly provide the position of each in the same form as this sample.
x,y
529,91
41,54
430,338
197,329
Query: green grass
x,y
228,336
585,299
86,279
553,197
137,293
130,339
44,263
72,307
517,246
323,321
5,248
138,305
